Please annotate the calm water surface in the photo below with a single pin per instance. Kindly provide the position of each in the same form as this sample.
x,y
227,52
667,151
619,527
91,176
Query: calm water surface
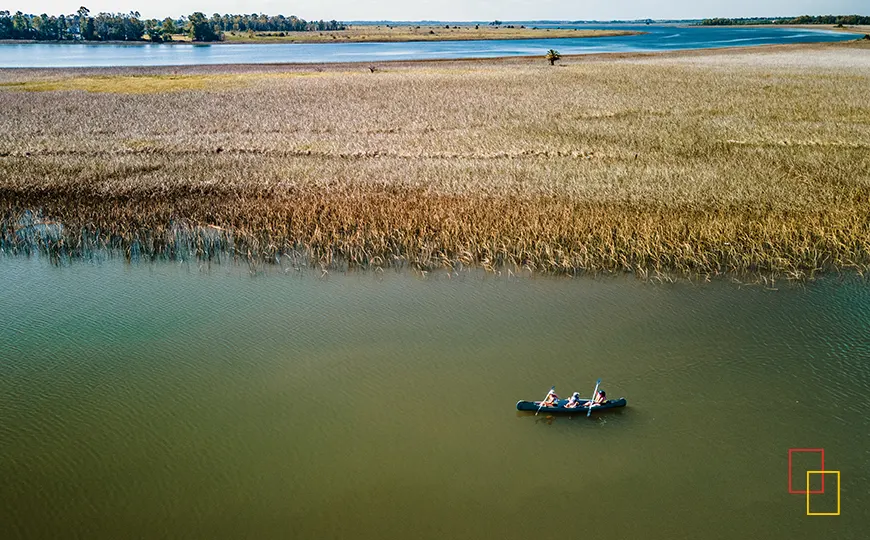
x,y
658,38
169,400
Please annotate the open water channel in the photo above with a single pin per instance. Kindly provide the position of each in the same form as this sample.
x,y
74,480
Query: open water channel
x,y
656,38
171,399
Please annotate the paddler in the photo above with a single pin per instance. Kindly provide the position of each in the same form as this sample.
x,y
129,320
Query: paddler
x,y
552,400
599,399
573,401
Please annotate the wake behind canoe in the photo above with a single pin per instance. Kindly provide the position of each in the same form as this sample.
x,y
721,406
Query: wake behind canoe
x,y
532,406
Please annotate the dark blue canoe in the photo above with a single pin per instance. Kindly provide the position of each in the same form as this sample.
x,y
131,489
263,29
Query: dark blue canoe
x,y
533,406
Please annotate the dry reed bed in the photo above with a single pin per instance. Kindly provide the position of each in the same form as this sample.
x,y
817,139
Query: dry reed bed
x,y
639,165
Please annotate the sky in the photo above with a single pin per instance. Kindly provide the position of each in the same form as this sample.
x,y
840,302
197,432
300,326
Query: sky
x,y
458,10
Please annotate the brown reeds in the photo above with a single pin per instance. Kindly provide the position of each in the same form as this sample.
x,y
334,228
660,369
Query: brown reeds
x,y
653,166
401,33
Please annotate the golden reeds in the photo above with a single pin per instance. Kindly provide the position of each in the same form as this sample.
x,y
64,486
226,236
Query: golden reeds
x,y
649,165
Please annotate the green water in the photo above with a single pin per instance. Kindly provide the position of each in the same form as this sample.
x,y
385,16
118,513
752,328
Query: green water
x,y
167,400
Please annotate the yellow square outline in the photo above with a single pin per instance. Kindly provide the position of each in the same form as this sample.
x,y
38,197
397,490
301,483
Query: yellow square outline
x,y
809,490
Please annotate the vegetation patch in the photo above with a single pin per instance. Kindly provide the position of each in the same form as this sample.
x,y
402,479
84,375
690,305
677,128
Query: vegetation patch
x,y
403,33
653,166
119,84
147,84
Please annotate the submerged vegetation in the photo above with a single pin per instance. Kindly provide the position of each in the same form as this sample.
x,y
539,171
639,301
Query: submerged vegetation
x,y
703,163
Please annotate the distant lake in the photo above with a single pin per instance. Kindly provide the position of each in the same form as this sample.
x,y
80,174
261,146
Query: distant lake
x,y
658,38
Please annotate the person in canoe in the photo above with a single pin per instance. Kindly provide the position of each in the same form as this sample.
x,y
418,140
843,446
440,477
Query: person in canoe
x,y
573,401
599,399
552,400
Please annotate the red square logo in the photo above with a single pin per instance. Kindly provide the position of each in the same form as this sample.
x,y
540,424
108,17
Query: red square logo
x,y
820,451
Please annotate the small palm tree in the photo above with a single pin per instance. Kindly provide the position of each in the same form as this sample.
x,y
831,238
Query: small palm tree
x,y
552,56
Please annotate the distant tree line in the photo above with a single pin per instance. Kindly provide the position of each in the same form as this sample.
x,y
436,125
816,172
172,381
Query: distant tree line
x,y
81,26
270,23
803,19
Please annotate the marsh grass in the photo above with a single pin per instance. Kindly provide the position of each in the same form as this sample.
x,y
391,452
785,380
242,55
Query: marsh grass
x,y
402,33
145,84
690,166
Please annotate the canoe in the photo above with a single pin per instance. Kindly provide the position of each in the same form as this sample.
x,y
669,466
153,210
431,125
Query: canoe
x,y
533,406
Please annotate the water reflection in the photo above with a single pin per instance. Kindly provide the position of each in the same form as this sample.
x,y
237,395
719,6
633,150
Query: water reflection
x,y
28,232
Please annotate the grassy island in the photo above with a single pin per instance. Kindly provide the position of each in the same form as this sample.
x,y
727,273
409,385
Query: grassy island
x,y
389,33
745,160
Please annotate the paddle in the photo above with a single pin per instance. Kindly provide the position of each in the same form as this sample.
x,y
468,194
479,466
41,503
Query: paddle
x,y
553,389
592,399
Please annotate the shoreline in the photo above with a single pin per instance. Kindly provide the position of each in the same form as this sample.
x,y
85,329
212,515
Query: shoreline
x,y
853,29
465,34
567,59
324,38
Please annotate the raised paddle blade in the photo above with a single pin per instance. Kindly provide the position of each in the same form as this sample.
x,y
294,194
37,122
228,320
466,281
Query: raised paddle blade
x,y
552,389
592,399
